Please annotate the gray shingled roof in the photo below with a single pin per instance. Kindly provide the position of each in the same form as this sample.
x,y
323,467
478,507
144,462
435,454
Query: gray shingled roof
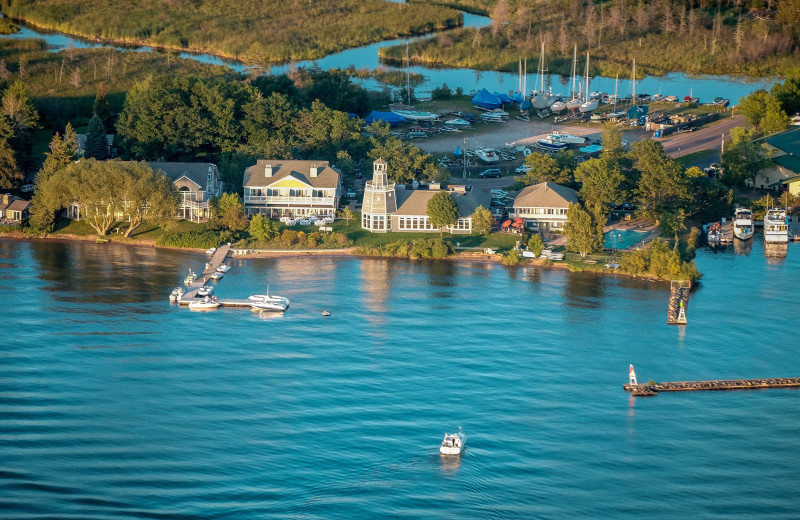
x,y
195,172
327,176
415,202
545,195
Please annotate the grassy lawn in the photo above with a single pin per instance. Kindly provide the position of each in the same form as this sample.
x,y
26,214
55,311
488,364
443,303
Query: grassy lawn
x,y
150,231
688,160
79,228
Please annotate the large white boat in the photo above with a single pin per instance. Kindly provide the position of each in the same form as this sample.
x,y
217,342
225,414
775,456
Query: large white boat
x,y
776,229
549,143
743,224
266,302
567,138
487,155
224,268
453,443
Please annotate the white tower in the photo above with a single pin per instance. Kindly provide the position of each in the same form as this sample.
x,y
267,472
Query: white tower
x,y
380,200
632,376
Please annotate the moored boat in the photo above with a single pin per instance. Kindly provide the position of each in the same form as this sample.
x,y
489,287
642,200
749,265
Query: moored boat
x,y
453,443
714,234
176,294
217,275
267,302
206,290
204,304
776,229
189,280
743,227
224,268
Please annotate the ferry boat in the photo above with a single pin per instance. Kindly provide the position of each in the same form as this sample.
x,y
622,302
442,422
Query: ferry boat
x,y
776,229
453,443
743,224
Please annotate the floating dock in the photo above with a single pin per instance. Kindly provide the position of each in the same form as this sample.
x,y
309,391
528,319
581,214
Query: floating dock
x,y
678,301
721,384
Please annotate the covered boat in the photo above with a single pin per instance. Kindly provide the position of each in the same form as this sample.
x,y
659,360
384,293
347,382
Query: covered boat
x,y
485,99
390,117
453,443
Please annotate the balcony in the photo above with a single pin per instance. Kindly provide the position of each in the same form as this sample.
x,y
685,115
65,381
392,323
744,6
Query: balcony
x,y
370,185
286,200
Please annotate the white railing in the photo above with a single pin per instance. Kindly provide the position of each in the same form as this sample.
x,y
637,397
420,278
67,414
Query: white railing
x,y
250,199
370,185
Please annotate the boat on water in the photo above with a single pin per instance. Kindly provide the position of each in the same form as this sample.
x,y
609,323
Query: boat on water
x,y
267,302
714,233
211,251
776,229
453,443
217,275
189,280
487,155
743,227
206,290
205,303
567,138
176,294
458,122
416,115
549,143
224,268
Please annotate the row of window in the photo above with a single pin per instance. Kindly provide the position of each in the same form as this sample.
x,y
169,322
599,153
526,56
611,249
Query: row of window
x,y
540,211
283,192
374,222
414,224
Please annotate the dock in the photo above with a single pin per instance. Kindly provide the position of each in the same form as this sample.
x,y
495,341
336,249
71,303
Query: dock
x,y
678,302
720,384
726,233
217,259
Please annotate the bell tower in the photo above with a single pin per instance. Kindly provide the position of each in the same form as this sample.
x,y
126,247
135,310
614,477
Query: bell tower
x,y
380,200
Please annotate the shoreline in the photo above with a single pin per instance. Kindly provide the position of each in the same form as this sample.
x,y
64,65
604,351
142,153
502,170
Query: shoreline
x,y
480,258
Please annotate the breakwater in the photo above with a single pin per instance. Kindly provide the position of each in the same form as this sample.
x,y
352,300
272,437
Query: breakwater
x,y
720,384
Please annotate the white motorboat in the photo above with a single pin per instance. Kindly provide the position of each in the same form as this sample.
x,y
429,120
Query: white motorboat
x,y
458,122
205,303
224,268
189,280
551,144
567,138
776,229
211,251
267,302
176,294
206,290
714,233
743,224
416,115
487,155
453,443
217,275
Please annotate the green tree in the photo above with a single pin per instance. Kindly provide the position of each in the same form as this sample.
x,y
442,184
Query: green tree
x,y
96,146
543,168
787,199
229,212
581,230
323,132
743,158
101,108
10,174
764,111
788,94
600,184
775,119
22,120
442,210
535,244
148,194
482,221
63,150
613,150
347,214
406,161
663,186
262,228
766,202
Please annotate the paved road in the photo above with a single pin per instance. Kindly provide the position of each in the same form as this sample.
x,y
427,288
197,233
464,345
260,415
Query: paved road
x,y
707,138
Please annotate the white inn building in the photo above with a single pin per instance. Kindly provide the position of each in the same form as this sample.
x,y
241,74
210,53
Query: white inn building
x,y
277,188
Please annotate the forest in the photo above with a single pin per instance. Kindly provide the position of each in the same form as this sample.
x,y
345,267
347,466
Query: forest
x,y
754,38
255,32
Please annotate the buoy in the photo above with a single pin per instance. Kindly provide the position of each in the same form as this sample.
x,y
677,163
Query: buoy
x,y
326,313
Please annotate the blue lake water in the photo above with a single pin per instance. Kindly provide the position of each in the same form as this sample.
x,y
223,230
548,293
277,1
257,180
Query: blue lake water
x,y
115,404
705,87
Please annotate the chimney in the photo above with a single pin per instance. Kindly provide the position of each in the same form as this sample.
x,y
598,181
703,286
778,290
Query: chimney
x,y
268,170
313,170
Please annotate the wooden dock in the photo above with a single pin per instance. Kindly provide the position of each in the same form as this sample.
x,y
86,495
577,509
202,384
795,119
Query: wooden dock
x,y
726,233
216,260
722,384
678,302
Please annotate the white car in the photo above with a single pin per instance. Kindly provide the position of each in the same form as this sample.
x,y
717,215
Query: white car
x,y
523,169
27,188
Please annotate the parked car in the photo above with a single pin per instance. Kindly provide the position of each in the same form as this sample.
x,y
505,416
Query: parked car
x,y
525,168
491,172
27,188
629,207
350,194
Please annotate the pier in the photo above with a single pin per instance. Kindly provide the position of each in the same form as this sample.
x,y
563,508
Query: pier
x,y
678,301
651,389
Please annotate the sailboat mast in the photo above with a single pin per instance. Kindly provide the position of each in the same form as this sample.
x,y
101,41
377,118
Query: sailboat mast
x,y
616,86
587,77
633,83
574,68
